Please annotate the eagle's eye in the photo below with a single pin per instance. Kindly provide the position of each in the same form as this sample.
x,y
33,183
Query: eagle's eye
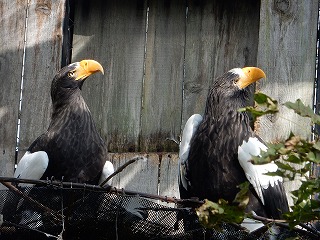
x,y
235,81
70,74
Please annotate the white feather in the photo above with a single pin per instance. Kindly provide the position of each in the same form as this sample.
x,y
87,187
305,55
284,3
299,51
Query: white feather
x,y
256,174
187,134
107,170
237,71
251,224
32,166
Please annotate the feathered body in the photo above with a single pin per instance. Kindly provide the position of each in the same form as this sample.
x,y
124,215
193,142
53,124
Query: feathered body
x,y
214,147
75,150
70,150
213,170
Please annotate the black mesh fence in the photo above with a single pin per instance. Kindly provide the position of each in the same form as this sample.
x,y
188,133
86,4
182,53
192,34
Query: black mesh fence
x,y
58,212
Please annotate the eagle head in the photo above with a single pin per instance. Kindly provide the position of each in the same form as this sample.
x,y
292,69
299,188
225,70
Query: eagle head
x,y
72,76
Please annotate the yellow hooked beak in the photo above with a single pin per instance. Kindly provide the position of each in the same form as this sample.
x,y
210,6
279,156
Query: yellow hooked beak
x,y
86,68
250,75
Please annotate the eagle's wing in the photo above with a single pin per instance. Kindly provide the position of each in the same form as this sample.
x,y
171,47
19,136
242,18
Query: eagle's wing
x,y
107,170
187,134
269,188
32,166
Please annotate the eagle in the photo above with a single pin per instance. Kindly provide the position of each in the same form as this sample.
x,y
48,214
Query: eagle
x,y
71,149
216,149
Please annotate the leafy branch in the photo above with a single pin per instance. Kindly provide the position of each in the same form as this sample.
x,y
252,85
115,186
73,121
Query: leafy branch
x,y
294,157
264,105
212,214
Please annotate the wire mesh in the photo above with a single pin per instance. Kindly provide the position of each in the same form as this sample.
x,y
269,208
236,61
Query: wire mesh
x,y
57,212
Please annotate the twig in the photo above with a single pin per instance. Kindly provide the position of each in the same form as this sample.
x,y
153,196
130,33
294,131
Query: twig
x,y
120,169
173,140
268,220
31,200
183,202
283,223
28,228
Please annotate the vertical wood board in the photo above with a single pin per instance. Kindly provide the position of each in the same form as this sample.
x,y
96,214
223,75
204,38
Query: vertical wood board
x,y
287,54
220,35
168,177
43,59
287,48
157,173
140,176
162,92
113,33
12,27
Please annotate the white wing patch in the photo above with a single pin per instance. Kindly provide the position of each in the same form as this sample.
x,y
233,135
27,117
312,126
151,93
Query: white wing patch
x,y
107,170
32,166
187,134
256,173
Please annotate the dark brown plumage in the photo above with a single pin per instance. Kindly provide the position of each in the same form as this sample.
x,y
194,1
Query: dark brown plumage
x,y
75,149
213,169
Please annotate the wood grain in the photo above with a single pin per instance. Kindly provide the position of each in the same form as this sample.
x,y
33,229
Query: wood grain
x,y
162,92
220,35
113,33
168,177
157,173
12,27
152,85
141,176
286,53
43,60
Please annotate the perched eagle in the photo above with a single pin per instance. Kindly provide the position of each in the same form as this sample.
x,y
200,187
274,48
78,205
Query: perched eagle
x,y
71,149
216,149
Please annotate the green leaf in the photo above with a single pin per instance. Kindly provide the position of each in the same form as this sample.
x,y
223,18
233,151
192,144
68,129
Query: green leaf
x,y
285,166
303,110
311,156
212,214
316,158
242,197
294,158
316,146
264,105
261,98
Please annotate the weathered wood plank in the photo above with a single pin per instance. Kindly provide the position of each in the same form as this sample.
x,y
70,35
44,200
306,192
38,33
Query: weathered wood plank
x,y
141,176
162,93
220,35
43,60
113,33
12,28
168,177
286,53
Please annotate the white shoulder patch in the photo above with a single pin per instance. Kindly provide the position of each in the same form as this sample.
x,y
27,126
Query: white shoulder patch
x,y
107,170
256,173
32,166
189,130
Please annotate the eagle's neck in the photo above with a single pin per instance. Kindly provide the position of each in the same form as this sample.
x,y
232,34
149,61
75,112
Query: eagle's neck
x,y
219,105
69,107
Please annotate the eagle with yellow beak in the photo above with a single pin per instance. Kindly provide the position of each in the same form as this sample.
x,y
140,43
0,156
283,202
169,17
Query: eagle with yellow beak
x,y
217,148
71,149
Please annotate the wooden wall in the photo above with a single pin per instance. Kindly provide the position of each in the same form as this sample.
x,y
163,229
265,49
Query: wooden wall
x,y
30,50
287,52
160,58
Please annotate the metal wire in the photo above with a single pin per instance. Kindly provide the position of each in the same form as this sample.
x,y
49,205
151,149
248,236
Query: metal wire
x,y
93,212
